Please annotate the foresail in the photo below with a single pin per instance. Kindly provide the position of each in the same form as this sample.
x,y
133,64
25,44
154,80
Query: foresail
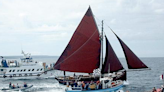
x,y
111,60
82,53
132,60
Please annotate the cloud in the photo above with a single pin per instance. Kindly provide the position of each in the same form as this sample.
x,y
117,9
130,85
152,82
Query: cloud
x,y
51,23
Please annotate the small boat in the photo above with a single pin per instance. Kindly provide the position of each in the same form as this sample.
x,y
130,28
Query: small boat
x,y
106,86
17,89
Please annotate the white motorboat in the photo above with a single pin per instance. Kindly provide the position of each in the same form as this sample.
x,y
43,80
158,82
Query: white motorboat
x,y
26,68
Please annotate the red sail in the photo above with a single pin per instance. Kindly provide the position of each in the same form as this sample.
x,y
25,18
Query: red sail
x,y
132,60
111,59
82,53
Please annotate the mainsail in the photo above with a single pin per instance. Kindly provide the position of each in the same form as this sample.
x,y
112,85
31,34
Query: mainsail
x,y
82,53
132,60
112,63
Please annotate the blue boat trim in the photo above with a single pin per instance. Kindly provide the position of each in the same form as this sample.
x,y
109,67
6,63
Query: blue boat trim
x,y
98,90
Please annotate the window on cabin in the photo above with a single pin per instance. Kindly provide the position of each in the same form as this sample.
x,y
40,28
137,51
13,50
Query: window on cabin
x,y
17,70
21,70
10,71
41,69
30,74
13,70
24,70
28,69
32,69
37,69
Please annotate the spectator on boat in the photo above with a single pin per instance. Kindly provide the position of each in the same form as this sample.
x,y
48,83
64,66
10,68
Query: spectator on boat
x,y
67,84
91,82
100,86
17,85
10,85
154,90
71,83
79,83
159,90
25,85
162,88
13,86
83,84
75,84
97,84
86,86
74,75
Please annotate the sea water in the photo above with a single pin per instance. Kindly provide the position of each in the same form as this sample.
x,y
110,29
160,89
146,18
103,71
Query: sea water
x,y
138,81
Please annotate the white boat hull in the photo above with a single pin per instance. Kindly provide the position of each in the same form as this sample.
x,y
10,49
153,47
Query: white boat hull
x,y
17,89
42,75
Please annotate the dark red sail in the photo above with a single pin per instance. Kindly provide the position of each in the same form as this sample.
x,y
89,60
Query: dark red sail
x,y
82,53
132,60
111,59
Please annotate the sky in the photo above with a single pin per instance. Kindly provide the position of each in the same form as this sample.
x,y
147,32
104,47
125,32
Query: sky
x,y
44,27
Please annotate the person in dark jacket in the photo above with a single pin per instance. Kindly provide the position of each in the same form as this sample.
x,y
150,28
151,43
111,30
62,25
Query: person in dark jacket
x,y
10,85
25,85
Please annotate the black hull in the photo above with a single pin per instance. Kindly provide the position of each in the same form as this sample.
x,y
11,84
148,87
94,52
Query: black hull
x,y
121,77
89,79
72,81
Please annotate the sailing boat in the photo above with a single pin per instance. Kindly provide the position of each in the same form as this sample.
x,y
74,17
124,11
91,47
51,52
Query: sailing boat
x,y
82,54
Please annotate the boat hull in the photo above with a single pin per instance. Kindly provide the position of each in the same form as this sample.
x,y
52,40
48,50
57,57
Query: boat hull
x,y
42,76
98,90
17,89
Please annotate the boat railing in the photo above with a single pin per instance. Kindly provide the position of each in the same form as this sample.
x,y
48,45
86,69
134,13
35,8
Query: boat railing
x,y
9,66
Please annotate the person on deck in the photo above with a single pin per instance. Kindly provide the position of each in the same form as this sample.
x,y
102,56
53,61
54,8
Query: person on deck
x,y
25,85
13,86
10,85
97,84
79,83
162,88
17,85
75,84
83,84
154,90
159,90
86,86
